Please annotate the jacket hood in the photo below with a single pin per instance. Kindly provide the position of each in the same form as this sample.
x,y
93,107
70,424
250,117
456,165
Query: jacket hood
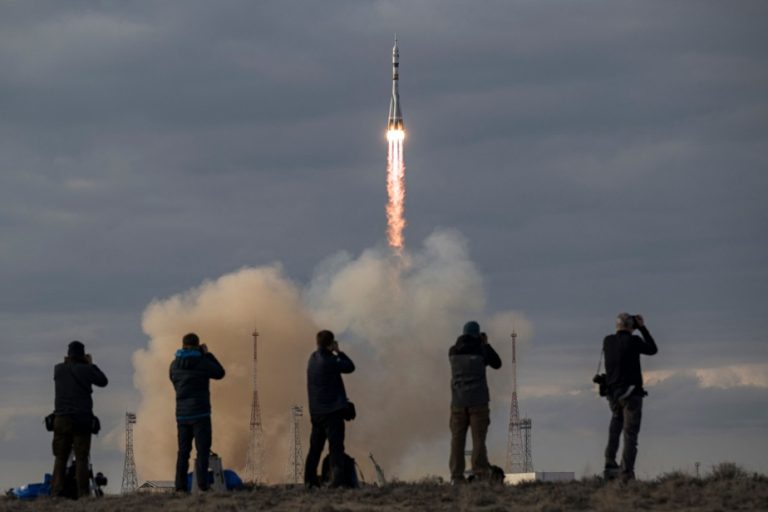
x,y
184,353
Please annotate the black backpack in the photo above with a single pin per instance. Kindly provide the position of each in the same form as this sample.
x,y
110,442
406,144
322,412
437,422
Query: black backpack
x,y
348,473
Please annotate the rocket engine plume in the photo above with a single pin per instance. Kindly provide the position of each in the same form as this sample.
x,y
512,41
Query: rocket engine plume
x,y
395,162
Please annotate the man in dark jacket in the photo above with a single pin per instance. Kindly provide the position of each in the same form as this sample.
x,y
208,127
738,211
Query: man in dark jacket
x,y
469,399
328,406
624,380
74,416
190,373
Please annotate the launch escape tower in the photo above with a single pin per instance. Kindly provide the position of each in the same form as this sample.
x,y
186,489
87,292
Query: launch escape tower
x,y
254,471
296,462
130,479
519,458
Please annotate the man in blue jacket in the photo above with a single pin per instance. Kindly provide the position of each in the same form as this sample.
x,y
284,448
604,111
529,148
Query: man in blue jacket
x,y
72,425
328,406
469,399
190,373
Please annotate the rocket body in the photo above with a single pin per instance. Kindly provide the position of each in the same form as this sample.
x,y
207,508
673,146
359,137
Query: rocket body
x,y
395,117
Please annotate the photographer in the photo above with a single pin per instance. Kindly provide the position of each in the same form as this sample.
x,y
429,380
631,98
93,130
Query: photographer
x,y
329,407
469,400
624,390
190,373
73,420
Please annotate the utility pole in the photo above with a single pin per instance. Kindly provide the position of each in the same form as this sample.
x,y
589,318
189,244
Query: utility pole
x,y
130,479
254,459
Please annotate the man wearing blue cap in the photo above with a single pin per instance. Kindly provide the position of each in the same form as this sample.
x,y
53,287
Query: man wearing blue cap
x,y
469,399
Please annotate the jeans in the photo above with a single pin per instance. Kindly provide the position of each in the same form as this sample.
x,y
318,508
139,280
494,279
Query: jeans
x,y
200,431
462,418
69,434
326,427
626,416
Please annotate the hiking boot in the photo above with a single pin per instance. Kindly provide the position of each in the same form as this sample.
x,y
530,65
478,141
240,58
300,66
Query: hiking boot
x,y
458,481
611,471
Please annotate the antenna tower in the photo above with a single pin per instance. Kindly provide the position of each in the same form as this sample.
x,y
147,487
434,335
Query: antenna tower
x,y
296,463
130,480
254,470
515,463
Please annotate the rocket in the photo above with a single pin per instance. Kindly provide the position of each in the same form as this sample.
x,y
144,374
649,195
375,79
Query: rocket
x,y
395,117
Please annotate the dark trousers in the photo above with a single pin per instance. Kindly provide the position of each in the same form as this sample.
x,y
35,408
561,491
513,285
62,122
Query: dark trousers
x,y
626,416
68,435
462,419
198,430
326,427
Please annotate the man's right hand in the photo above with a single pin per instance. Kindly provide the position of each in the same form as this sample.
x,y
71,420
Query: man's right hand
x,y
639,321
335,346
204,348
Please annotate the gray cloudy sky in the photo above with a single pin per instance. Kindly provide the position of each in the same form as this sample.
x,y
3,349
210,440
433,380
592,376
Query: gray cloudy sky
x,y
597,156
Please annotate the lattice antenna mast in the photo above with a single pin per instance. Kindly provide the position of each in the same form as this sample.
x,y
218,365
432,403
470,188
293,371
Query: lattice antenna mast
x,y
296,463
130,479
254,468
515,462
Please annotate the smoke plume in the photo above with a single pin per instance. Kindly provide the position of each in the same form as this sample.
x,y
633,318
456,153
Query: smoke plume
x,y
395,317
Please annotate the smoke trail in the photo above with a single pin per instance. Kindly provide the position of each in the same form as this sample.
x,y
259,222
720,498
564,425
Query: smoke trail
x,y
396,329
395,189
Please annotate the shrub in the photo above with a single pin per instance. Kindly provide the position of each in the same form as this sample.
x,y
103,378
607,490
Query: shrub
x,y
727,471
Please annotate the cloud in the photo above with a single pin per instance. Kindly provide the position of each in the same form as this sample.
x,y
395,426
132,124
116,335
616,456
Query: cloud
x,y
395,318
753,375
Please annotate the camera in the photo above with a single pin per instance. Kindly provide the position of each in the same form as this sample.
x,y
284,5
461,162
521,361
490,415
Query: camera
x,y
602,381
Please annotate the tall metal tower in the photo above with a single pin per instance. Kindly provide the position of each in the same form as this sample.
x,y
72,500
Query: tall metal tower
x,y
515,462
130,480
254,459
525,427
296,463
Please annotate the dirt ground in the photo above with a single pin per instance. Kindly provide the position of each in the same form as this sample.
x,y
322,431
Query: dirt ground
x,y
674,492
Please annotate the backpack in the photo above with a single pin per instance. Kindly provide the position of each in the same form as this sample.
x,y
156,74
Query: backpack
x,y
348,472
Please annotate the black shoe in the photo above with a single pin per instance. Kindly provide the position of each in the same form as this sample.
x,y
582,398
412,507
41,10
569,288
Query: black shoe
x,y
627,476
611,471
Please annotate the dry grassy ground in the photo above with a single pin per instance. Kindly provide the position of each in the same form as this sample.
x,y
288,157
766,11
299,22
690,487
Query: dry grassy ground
x,y
675,492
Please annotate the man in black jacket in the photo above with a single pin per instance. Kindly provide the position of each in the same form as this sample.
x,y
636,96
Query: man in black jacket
x,y
328,406
624,380
190,373
469,399
74,416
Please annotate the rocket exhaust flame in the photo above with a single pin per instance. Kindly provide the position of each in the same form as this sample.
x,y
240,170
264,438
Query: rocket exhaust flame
x,y
395,189
395,161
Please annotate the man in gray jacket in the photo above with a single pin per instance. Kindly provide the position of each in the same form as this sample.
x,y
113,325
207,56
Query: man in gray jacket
x,y
73,411
469,399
